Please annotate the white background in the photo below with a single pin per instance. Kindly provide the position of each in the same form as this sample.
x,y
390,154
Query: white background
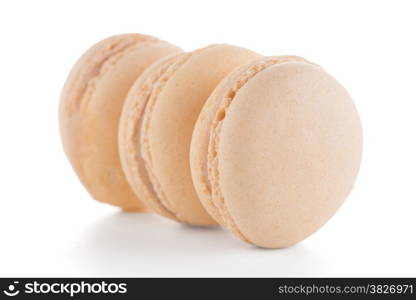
x,y
49,225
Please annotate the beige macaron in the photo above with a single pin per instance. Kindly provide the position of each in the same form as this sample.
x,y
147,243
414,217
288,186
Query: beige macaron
x,y
157,124
276,150
90,107
130,132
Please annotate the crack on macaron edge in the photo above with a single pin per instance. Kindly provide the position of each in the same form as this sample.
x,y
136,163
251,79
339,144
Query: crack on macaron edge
x,y
199,166
130,133
217,200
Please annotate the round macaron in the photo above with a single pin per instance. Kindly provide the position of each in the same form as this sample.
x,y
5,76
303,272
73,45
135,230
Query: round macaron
x,y
130,131
276,150
157,124
90,107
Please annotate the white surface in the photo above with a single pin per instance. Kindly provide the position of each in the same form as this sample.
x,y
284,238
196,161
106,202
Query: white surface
x,y
49,226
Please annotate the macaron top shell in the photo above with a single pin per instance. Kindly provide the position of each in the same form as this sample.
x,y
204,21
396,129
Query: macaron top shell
x,y
168,123
90,108
284,149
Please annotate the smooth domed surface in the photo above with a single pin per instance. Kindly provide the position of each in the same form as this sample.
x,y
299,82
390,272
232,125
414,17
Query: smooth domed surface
x,y
284,151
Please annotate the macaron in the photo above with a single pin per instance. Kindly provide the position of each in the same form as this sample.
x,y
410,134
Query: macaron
x,y
276,150
90,107
130,131
157,124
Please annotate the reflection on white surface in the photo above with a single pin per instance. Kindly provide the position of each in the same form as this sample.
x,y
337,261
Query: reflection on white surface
x,y
124,244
